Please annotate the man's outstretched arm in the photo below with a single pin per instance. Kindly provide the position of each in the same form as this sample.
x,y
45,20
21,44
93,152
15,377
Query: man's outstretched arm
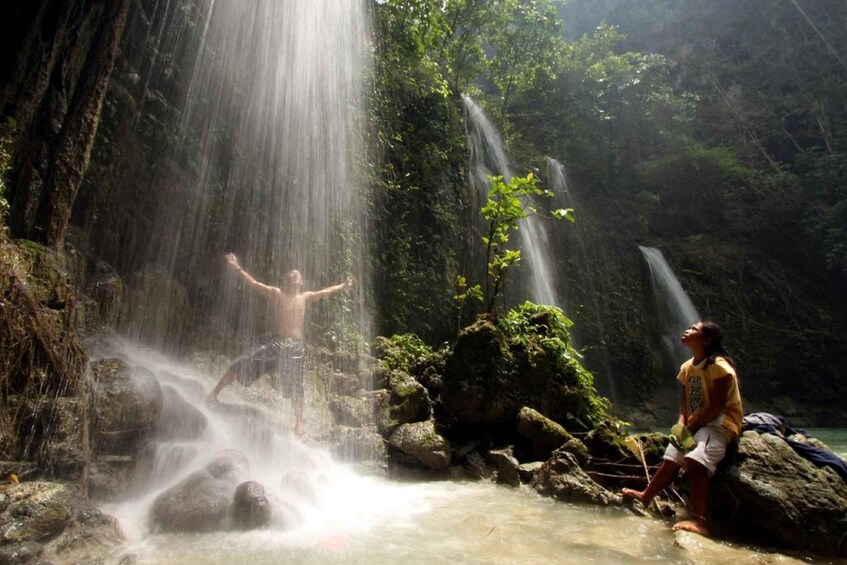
x,y
330,290
261,288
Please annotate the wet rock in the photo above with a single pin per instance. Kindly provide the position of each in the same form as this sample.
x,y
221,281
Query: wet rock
x,y
507,467
539,435
21,553
201,501
64,451
422,442
197,504
251,422
766,492
33,511
406,402
358,445
699,549
250,507
562,478
91,537
353,412
127,404
477,467
106,289
179,419
41,355
109,476
492,374
528,470
344,384
189,388
606,441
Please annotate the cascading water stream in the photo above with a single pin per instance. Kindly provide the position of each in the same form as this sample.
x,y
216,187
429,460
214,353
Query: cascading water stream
x,y
488,156
674,308
314,499
272,127
558,181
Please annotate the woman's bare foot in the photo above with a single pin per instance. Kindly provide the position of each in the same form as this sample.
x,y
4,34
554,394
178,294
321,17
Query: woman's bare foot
x,y
636,494
694,525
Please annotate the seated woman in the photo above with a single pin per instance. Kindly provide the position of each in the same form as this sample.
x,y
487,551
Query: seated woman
x,y
711,411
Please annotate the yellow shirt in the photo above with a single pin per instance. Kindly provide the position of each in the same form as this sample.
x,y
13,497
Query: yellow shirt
x,y
698,382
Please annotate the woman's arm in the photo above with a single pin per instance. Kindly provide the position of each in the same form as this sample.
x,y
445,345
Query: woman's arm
x,y
717,403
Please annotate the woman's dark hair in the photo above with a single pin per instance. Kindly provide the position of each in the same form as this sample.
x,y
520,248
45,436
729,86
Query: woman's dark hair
x,y
712,332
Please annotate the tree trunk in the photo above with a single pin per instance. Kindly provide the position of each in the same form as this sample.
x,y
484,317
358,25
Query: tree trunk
x,y
55,101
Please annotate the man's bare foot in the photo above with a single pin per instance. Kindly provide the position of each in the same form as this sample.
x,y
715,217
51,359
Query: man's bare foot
x,y
694,525
212,400
637,495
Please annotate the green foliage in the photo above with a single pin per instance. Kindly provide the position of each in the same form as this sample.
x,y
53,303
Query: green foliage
x,y
527,46
463,294
507,204
545,330
402,352
6,131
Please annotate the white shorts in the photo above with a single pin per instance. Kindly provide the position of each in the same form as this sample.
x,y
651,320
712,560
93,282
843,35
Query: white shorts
x,y
710,450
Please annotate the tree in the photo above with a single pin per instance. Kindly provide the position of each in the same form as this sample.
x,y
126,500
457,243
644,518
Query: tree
x,y
507,205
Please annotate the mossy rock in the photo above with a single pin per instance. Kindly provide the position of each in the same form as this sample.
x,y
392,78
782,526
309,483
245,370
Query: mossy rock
x,y
538,435
607,440
524,359
41,357
421,441
407,401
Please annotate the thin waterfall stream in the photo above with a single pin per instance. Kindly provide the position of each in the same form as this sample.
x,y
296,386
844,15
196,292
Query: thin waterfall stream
x,y
557,177
489,157
675,310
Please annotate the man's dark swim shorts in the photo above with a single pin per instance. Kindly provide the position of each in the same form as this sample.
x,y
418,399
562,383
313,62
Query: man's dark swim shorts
x,y
284,359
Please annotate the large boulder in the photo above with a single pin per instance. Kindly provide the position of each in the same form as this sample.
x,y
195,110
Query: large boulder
x,y
201,501
538,435
406,402
500,365
62,423
562,478
179,419
352,411
90,537
358,445
127,404
250,507
21,552
766,492
423,443
33,511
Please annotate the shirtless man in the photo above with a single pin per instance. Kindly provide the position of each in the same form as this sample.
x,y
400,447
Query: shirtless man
x,y
283,356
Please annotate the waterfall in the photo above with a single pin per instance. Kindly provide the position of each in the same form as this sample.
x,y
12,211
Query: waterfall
x,y
272,126
674,309
558,181
313,498
489,156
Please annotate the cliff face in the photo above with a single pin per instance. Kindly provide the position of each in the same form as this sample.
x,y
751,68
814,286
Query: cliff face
x,y
42,363
50,100
52,96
